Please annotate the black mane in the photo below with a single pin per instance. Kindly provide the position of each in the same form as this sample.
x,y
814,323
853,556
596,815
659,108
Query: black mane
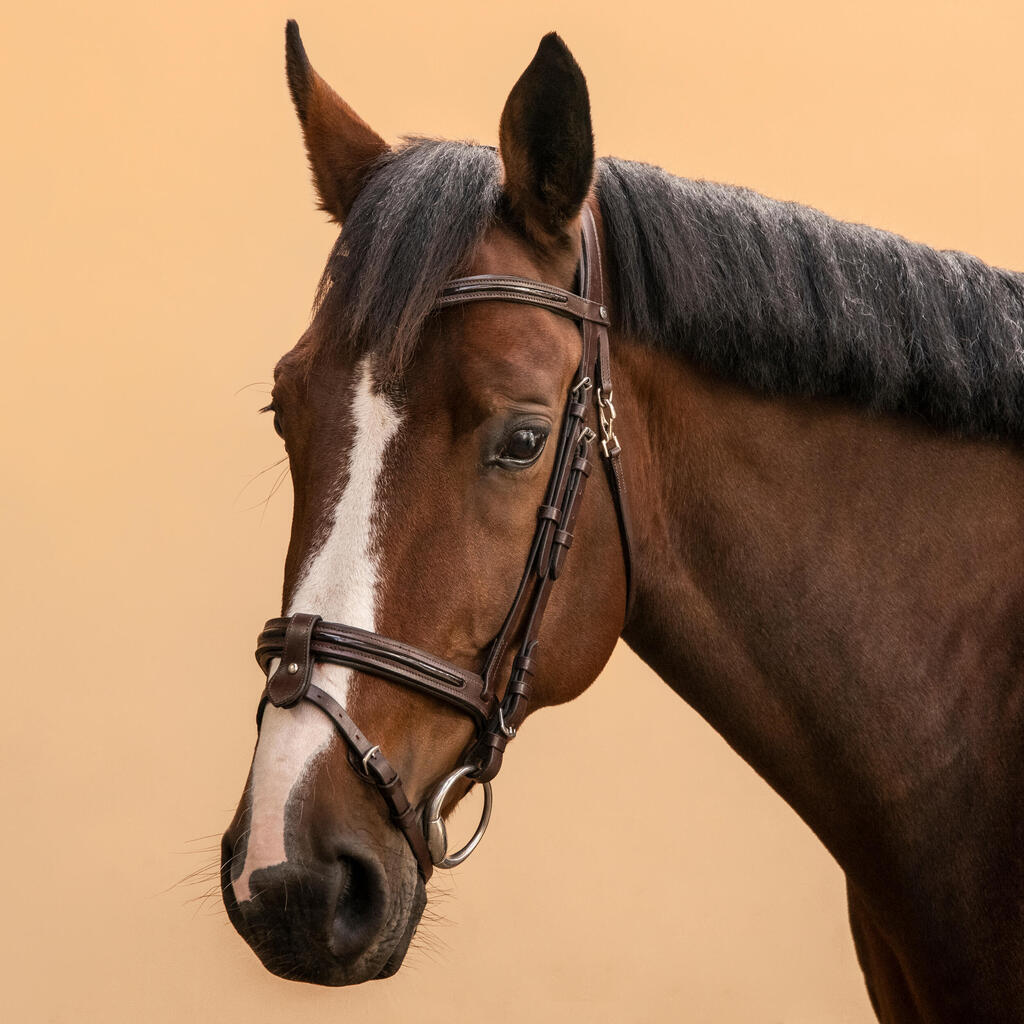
x,y
414,222
789,301
774,295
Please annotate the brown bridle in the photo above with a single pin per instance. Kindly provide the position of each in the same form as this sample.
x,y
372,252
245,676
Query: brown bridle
x,y
298,642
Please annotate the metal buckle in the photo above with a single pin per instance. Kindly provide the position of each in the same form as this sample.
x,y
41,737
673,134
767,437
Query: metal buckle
x,y
366,757
584,385
604,402
434,827
586,436
508,731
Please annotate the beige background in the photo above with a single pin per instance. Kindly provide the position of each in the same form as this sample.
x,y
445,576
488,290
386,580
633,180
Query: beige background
x,y
160,251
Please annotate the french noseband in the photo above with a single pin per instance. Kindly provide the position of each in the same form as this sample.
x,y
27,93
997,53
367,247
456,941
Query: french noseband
x,y
288,648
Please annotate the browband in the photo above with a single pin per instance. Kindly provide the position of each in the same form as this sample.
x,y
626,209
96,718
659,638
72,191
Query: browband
x,y
498,288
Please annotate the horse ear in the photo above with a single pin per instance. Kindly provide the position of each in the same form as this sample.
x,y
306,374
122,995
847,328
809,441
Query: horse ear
x,y
341,145
547,144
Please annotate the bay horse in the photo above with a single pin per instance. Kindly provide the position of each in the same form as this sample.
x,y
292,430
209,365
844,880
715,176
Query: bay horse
x,y
818,428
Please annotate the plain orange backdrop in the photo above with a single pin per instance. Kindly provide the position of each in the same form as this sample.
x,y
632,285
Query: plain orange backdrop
x,y
160,250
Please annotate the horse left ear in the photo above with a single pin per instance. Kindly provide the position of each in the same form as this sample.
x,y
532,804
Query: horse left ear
x,y
547,143
341,146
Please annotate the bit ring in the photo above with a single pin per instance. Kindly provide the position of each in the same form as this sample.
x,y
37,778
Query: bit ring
x,y
434,827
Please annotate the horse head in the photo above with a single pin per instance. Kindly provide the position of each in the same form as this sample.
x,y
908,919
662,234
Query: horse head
x,y
424,429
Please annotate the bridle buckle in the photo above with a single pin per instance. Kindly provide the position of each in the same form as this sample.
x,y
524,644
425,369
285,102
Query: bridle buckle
x,y
508,731
580,388
375,749
609,442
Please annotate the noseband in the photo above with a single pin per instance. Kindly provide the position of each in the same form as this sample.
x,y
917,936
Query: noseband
x,y
288,648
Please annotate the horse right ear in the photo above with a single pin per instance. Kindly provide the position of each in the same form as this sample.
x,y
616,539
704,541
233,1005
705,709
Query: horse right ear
x,y
341,146
547,144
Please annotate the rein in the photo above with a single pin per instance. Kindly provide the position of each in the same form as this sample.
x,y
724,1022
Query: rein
x,y
297,643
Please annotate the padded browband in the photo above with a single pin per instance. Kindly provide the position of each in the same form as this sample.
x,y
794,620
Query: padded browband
x,y
507,288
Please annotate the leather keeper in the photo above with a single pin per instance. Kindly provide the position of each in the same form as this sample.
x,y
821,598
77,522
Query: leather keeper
x,y
560,547
394,794
290,680
524,663
495,740
517,687
489,763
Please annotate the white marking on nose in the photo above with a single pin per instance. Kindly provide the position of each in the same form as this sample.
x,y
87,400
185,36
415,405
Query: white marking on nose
x,y
338,582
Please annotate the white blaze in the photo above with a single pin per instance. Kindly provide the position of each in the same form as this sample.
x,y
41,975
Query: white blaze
x,y
339,583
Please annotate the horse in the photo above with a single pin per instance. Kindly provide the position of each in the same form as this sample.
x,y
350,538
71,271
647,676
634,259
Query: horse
x,y
808,520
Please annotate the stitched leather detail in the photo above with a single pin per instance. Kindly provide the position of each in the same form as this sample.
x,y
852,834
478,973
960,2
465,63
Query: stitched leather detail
x,y
381,656
506,288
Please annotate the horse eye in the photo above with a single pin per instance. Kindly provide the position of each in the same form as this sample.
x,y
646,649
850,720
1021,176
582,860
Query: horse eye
x,y
277,418
522,447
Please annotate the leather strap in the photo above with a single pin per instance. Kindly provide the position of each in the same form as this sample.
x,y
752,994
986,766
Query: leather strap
x,y
379,656
508,288
377,769
369,762
610,447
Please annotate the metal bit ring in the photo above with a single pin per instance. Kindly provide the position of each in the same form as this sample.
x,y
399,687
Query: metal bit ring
x,y
434,827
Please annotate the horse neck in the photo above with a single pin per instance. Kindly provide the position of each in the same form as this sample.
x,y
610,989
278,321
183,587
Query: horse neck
x,y
839,595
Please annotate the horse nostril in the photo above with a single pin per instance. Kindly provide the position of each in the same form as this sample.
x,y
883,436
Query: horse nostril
x,y
359,909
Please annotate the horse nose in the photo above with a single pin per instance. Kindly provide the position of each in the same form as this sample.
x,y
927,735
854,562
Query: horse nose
x,y
312,920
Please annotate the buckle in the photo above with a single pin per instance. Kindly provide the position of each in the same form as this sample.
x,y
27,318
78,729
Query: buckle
x,y
609,442
581,386
508,731
375,749
583,442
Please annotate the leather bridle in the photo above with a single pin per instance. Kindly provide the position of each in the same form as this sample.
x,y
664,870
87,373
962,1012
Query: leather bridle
x,y
288,648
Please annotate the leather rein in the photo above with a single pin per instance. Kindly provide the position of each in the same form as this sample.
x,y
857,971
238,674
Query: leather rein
x,y
288,648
